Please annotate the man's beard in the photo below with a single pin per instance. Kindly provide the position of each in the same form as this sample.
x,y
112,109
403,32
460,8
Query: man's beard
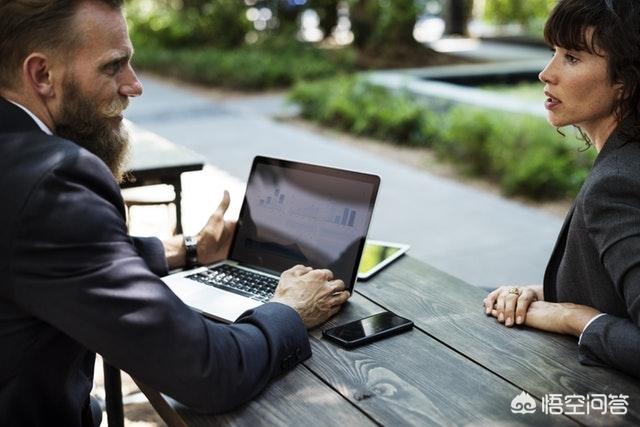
x,y
85,123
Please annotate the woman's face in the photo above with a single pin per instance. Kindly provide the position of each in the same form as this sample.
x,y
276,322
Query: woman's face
x,y
578,91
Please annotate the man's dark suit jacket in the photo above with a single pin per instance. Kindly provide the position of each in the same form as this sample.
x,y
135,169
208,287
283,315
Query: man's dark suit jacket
x,y
73,283
596,260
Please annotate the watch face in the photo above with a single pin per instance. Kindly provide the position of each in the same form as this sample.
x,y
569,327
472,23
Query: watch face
x,y
191,251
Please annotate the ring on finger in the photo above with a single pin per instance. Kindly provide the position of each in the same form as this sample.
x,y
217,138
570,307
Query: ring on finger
x,y
513,291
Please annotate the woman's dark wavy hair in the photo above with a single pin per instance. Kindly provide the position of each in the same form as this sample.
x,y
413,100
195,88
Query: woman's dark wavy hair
x,y
616,35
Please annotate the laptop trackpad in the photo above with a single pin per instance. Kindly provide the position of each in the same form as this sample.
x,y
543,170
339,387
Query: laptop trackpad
x,y
213,302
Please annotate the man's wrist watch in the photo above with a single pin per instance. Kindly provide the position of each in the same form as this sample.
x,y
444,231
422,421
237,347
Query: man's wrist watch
x,y
191,252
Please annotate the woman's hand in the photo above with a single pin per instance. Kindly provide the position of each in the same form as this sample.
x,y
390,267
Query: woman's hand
x,y
561,318
509,304
524,306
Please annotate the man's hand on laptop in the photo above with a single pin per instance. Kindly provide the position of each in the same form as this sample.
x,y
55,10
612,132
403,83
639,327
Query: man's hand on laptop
x,y
312,293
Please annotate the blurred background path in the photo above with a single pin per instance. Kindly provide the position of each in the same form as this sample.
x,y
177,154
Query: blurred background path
x,y
469,233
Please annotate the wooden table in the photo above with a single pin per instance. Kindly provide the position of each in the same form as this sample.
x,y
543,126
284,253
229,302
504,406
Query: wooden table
x,y
156,160
456,367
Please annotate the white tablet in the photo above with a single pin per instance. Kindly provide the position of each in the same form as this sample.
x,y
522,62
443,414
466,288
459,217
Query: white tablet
x,y
377,255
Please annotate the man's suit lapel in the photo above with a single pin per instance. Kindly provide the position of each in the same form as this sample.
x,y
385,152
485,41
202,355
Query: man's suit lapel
x,y
14,119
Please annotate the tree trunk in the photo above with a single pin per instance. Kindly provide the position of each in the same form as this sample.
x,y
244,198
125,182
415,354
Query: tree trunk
x,y
363,14
457,15
328,13
288,16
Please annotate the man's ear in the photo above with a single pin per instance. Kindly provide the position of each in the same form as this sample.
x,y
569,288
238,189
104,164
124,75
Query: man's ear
x,y
38,75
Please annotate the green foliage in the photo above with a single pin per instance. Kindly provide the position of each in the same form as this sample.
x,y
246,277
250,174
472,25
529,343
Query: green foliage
x,y
463,139
383,24
395,22
171,23
520,152
523,153
273,63
523,12
204,41
361,108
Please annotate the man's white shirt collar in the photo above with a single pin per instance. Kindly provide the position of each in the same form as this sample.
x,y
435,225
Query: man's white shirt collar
x,y
35,118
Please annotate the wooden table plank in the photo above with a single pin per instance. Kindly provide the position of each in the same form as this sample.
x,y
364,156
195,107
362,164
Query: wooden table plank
x,y
298,398
540,363
411,379
456,367
153,156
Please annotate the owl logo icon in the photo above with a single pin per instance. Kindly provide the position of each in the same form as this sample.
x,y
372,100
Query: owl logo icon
x,y
523,404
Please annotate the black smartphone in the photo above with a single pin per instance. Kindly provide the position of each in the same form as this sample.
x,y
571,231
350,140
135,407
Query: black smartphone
x,y
369,329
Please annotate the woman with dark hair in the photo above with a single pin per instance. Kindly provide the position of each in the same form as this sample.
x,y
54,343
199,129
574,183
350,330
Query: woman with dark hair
x,y
592,282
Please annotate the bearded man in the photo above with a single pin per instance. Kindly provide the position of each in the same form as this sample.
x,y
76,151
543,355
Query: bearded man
x,y
73,282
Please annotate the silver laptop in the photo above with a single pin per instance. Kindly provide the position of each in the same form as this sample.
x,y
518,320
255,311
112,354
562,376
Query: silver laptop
x,y
292,213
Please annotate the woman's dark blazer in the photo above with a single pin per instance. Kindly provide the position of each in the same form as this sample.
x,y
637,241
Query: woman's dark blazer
x,y
596,259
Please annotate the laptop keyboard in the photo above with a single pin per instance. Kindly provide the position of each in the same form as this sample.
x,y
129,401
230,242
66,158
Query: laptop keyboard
x,y
239,281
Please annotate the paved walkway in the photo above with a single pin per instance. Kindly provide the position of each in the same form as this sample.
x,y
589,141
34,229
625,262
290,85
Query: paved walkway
x,y
487,50
481,238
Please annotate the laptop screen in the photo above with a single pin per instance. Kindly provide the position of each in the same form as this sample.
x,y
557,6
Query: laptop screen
x,y
296,213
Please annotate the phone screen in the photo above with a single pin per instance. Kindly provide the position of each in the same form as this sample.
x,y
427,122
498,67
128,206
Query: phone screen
x,y
368,326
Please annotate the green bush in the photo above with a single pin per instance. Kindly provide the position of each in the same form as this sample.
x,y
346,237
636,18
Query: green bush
x,y
265,65
463,139
520,152
533,159
364,109
523,153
